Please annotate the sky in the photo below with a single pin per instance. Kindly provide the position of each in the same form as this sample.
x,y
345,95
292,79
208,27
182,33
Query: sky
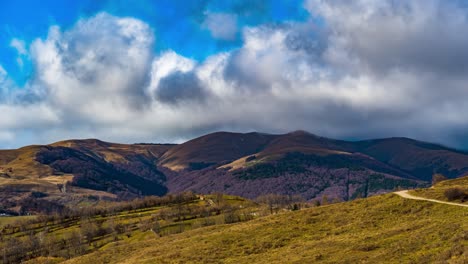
x,y
168,71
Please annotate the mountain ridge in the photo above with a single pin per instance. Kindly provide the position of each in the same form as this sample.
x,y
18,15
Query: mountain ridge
x,y
244,164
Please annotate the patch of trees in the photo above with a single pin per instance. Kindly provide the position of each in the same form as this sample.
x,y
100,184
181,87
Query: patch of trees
x,y
381,182
93,228
33,238
453,194
376,182
35,242
292,163
277,202
12,199
199,165
426,172
32,205
296,163
64,216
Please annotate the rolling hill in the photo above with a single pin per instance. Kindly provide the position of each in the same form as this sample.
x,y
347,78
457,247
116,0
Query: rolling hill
x,y
361,231
309,165
213,149
411,157
190,228
82,172
441,191
76,171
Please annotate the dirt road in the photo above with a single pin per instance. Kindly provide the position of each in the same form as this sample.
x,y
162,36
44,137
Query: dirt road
x,y
406,195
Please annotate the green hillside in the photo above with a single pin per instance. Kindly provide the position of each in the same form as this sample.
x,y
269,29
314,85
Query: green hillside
x,y
226,229
444,191
381,229
59,237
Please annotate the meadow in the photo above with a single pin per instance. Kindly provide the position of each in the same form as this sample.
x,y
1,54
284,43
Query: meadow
x,y
380,229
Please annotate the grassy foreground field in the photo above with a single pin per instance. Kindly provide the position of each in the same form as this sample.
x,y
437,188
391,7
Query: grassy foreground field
x,y
381,229
4,221
438,190
55,238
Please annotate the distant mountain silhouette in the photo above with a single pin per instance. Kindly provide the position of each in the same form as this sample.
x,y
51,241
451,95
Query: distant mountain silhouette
x,y
297,163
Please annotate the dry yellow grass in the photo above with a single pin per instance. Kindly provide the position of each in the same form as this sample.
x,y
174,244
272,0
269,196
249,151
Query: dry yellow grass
x,y
382,229
22,164
265,157
438,190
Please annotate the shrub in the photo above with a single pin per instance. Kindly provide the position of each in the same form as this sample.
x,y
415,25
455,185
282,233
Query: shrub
x,y
456,194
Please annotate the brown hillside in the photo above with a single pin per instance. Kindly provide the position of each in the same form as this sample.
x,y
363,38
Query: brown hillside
x,y
248,165
421,159
213,149
89,169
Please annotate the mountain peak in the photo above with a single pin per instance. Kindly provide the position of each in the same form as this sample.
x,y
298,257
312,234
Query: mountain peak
x,y
87,142
300,133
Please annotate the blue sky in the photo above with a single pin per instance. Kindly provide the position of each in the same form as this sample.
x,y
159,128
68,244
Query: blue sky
x,y
178,24
168,71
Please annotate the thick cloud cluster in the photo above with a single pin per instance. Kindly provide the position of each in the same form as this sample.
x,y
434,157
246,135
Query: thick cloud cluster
x,y
355,69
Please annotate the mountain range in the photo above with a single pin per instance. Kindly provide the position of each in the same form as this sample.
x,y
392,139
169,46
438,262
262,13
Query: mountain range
x,y
46,178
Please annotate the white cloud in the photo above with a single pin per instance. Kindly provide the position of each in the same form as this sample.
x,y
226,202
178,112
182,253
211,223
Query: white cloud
x,y
37,115
91,76
382,35
19,45
374,69
221,25
98,69
6,85
169,62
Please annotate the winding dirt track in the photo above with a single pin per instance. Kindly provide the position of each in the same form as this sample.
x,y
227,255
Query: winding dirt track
x,y
406,195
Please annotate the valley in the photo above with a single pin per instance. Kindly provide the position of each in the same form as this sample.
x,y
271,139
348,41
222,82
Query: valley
x,y
234,198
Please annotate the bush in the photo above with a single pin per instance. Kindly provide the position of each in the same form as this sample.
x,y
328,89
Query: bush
x,y
456,194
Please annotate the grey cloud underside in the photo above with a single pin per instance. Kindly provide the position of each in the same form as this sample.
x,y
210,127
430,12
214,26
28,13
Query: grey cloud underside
x,y
180,86
417,35
371,69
